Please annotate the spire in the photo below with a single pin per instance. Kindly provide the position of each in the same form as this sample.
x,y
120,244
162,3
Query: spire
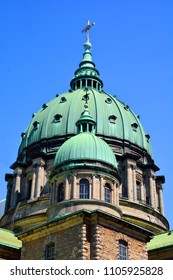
x,y
86,122
87,75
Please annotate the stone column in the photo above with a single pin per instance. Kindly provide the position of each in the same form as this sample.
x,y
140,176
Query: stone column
x,y
101,188
117,195
33,182
143,194
94,187
129,181
155,204
134,183
17,172
67,190
161,200
151,190
39,177
75,191
114,194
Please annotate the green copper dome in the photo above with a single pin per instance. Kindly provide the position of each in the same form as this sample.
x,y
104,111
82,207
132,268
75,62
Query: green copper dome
x,y
57,118
86,147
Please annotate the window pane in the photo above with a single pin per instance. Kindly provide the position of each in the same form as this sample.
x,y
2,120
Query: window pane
x,y
138,190
107,192
84,189
50,251
123,250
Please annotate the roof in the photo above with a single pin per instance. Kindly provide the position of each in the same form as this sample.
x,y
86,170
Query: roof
x,y
161,240
85,146
90,212
8,238
59,116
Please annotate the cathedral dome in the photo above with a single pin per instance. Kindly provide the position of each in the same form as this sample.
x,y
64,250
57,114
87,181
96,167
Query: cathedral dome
x,y
85,149
58,118
55,122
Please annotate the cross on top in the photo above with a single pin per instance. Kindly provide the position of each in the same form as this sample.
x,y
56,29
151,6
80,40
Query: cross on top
x,y
87,28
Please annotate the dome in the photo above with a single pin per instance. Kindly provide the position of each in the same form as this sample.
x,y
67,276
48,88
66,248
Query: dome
x,y
59,116
86,147
56,120
87,134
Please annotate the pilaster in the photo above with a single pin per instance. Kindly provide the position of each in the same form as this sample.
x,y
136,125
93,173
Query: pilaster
x,y
75,192
39,177
101,188
33,182
17,181
129,180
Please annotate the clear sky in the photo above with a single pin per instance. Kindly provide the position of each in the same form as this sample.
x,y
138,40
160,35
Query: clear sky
x,y
41,45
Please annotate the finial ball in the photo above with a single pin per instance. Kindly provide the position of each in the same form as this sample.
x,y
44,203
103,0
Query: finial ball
x,y
87,46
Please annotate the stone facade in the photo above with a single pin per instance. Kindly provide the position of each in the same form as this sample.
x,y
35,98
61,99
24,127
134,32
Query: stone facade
x,y
85,236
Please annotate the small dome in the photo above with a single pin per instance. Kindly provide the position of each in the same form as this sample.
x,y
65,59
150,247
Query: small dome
x,y
86,147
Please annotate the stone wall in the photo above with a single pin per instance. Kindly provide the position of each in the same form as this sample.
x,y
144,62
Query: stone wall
x,y
109,240
68,245
84,237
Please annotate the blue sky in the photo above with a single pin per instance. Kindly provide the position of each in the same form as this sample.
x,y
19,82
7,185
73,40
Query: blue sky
x,y
41,45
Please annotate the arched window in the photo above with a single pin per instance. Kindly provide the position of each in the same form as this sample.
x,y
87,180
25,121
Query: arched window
x,y
123,250
50,251
107,192
84,188
60,192
138,190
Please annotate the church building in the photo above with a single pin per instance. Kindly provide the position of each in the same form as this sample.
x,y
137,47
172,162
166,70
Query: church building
x,y
84,185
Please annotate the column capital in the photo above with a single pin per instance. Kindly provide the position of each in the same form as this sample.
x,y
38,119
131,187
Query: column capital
x,y
18,171
159,185
129,165
38,162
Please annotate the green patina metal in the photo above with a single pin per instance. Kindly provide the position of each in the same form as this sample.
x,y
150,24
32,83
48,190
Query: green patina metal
x,y
87,68
85,146
101,111
162,240
59,116
8,239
